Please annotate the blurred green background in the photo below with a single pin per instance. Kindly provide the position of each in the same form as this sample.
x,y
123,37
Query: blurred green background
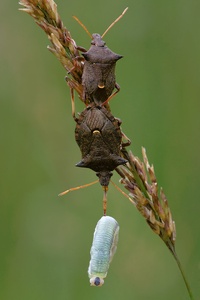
x,y
45,240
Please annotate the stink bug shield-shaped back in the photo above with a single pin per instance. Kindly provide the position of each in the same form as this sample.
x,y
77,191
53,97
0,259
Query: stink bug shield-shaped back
x,y
98,77
99,138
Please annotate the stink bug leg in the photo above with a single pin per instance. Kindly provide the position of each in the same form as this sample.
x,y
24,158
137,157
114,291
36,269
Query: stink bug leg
x,y
128,141
111,96
74,85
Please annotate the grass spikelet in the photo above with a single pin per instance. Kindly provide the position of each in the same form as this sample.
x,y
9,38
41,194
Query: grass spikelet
x,y
139,178
62,46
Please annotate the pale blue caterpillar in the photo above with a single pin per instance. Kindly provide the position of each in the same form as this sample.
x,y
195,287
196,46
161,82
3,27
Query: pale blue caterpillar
x,y
103,249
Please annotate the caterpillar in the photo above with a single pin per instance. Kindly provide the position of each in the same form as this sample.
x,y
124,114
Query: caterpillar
x,y
103,248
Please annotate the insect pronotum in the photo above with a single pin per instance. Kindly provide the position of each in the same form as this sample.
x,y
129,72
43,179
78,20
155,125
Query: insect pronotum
x,y
103,249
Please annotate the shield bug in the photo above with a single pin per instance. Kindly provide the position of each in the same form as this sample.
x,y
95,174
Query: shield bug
x,y
98,78
99,138
103,248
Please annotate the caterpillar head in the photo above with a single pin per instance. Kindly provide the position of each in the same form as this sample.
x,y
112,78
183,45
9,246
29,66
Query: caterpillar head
x,y
96,281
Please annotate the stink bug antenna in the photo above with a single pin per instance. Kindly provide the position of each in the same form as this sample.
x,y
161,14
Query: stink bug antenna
x,y
113,23
78,188
82,25
105,189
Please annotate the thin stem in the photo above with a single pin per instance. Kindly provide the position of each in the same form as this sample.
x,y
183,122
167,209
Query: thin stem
x,y
183,274
173,251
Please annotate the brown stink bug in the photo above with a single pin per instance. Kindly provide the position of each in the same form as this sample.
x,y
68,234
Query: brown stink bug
x,y
99,137
98,78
